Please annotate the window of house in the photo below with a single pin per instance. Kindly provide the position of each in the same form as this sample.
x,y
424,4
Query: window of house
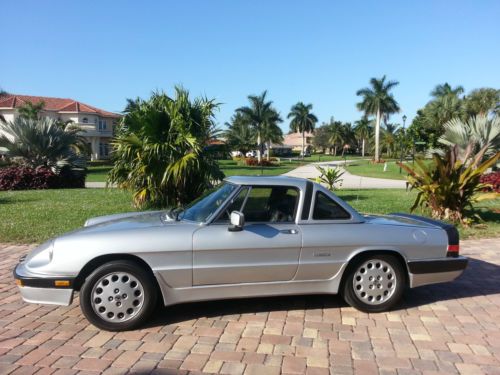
x,y
327,209
102,124
85,120
271,204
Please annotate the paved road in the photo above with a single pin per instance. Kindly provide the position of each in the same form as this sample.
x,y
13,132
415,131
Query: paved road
x,y
442,329
350,181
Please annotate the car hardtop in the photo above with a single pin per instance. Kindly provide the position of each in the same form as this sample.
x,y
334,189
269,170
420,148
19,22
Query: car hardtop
x,y
309,191
268,181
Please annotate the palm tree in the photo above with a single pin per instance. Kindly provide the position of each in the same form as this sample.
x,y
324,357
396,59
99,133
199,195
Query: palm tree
x,y
302,121
482,101
389,138
160,149
259,113
272,132
42,142
336,134
31,111
348,136
480,131
239,134
363,129
446,90
378,101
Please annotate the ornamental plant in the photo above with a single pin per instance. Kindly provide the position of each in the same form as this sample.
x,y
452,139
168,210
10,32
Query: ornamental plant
x,y
450,186
330,177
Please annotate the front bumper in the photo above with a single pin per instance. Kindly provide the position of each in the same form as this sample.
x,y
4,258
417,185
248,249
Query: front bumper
x,y
432,271
43,289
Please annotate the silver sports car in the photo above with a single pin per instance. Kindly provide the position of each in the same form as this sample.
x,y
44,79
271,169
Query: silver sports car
x,y
252,236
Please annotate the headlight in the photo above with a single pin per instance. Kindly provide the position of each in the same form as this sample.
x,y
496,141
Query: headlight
x,y
41,255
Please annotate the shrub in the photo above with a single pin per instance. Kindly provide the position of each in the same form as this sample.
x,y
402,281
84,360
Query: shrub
x,y
450,185
492,180
253,162
26,178
330,177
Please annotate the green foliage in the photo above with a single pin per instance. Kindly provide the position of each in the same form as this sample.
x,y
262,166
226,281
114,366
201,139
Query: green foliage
x,y
161,151
303,120
378,101
482,101
481,131
450,185
262,117
330,177
42,142
239,134
30,111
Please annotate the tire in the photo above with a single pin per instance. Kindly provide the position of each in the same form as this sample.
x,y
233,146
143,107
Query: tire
x,y
118,296
375,283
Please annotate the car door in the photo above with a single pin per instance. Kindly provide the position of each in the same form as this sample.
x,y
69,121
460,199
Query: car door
x,y
266,250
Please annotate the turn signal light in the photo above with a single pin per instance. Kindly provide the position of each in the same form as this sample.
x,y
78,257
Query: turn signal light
x,y
61,283
19,282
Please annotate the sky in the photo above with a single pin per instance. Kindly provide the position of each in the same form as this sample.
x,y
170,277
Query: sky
x,y
319,52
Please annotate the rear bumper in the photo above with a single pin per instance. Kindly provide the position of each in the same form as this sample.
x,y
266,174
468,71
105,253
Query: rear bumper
x,y
43,289
431,271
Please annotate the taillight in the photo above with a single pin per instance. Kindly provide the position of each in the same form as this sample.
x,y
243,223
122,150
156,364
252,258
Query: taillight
x,y
453,251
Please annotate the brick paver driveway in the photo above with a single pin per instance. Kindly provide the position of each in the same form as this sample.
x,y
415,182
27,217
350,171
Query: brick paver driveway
x,y
448,328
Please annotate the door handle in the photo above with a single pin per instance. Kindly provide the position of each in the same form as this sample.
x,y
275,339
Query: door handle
x,y
290,231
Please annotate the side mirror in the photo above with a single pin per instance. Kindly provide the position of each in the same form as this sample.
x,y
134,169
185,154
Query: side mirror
x,y
237,221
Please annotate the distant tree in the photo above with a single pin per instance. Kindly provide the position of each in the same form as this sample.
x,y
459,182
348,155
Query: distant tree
x,y
389,138
363,129
321,138
272,133
239,134
446,90
481,102
336,131
378,101
31,111
259,113
303,120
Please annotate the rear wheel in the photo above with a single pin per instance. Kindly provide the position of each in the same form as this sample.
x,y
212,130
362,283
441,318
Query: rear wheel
x,y
375,283
119,295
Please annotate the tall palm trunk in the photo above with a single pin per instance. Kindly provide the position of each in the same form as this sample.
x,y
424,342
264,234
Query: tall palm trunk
x,y
377,136
259,147
303,144
363,148
268,150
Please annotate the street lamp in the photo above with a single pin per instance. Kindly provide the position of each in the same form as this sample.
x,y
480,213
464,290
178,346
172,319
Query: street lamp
x,y
401,143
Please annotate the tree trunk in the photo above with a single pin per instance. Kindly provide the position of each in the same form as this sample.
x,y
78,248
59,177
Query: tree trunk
x,y
363,148
259,156
303,144
268,150
377,136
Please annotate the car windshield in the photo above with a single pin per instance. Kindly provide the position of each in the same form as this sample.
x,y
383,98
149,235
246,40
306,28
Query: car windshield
x,y
201,209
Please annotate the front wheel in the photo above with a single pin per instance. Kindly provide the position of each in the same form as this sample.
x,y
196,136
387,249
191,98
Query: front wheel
x,y
119,295
375,283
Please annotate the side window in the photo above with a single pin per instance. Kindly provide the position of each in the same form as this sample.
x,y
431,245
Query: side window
x,y
271,204
327,209
235,205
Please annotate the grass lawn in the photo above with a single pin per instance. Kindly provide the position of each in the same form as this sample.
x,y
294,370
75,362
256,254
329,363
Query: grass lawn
x,y
368,169
234,168
36,215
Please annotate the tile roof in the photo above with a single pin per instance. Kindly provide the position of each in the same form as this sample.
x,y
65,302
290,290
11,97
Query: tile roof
x,y
52,104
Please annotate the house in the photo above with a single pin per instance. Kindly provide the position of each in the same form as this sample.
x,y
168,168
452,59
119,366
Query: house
x,y
294,140
97,124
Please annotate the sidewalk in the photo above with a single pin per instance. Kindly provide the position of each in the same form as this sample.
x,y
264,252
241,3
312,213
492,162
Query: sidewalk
x,y
350,181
